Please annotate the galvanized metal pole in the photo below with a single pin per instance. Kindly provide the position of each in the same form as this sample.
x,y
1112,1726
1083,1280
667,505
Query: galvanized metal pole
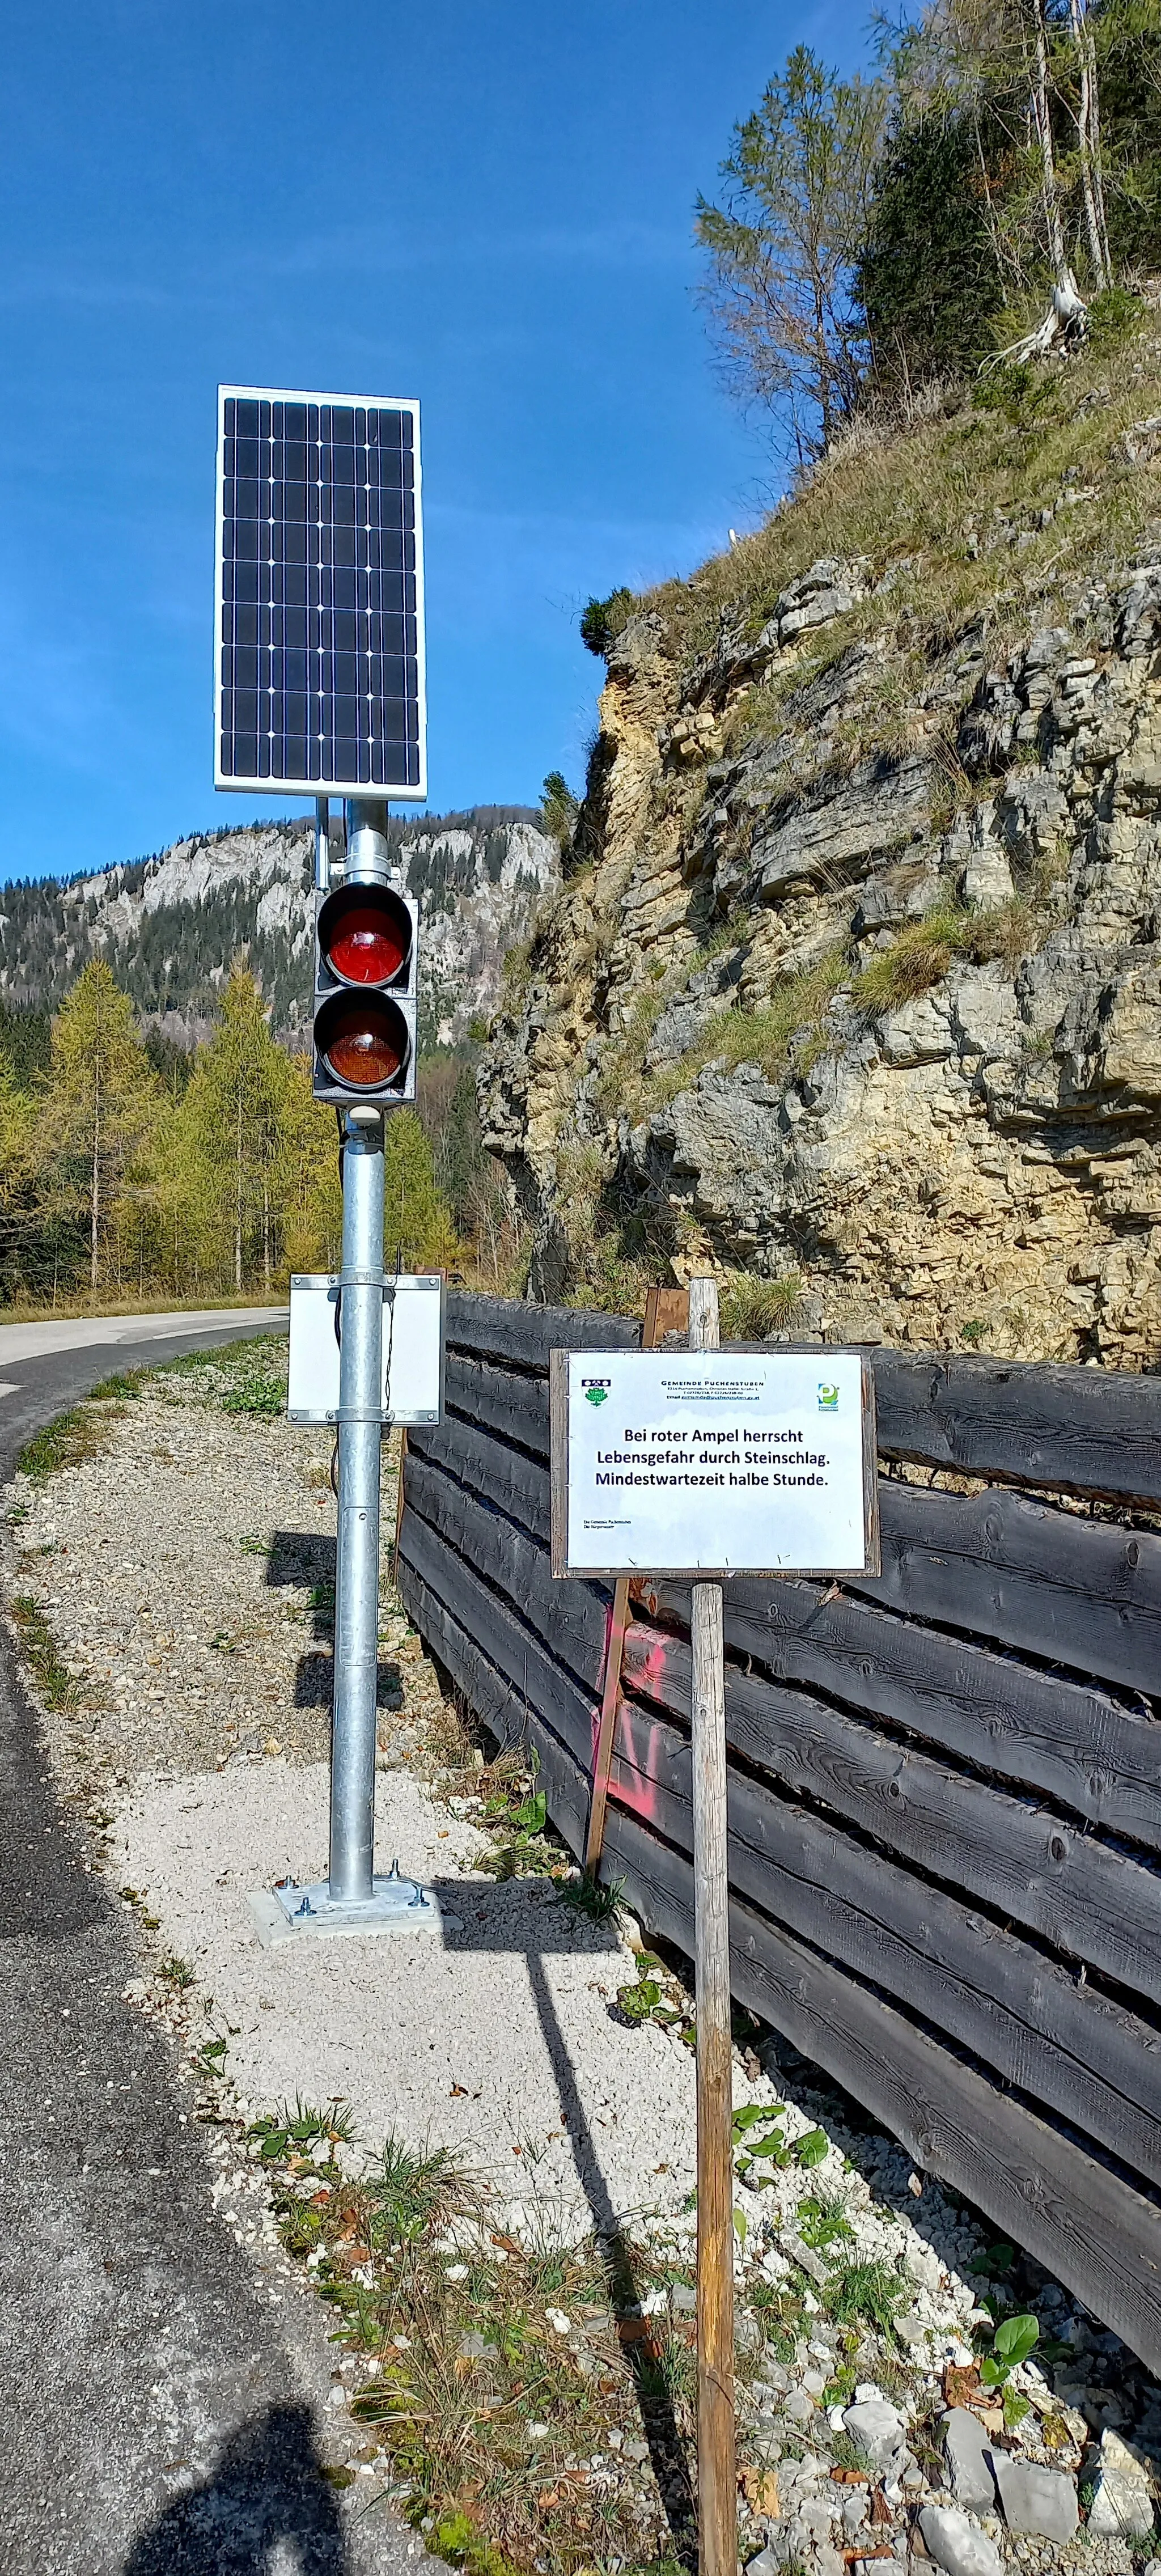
x,y
352,1855
717,2501
322,843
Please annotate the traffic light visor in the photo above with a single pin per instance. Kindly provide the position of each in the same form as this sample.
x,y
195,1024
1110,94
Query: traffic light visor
x,y
364,934
363,1040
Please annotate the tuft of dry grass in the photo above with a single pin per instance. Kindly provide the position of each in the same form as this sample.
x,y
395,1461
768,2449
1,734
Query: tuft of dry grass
x,y
761,1035
492,2373
751,1308
927,503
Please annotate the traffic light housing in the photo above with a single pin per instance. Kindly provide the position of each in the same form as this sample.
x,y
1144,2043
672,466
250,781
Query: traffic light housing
x,y
365,964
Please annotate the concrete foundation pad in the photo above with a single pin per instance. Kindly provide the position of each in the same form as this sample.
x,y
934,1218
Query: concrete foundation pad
x,y
292,1913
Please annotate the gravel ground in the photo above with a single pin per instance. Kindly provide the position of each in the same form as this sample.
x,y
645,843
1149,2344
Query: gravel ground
x,y
183,1571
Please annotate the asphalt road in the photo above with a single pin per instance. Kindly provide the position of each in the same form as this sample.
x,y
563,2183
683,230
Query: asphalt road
x,y
161,2396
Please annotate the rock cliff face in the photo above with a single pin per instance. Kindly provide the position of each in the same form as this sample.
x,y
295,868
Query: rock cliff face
x,y
856,985
171,925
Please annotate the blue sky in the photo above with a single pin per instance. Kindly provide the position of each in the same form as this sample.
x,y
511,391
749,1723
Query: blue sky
x,y
482,202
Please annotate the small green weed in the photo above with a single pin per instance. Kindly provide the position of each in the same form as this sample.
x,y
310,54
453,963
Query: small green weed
x,y
811,2148
60,1444
597,1898
277,2131
1014,2340
864,2294
124,1385
38,1648
849,2454
821,2224
640,2001
413,2192
177,1972
996,2260
755,2153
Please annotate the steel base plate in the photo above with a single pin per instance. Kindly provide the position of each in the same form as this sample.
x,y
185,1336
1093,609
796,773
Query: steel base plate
x,y
291,1913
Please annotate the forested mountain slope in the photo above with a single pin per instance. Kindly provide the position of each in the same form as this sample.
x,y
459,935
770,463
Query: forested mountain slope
x,y
171,926
854,985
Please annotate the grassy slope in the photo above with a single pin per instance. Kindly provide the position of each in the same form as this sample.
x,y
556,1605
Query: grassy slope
x,y
929,500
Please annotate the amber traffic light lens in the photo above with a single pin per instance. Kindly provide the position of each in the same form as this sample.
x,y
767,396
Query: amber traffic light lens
x,y
362,1043
365,934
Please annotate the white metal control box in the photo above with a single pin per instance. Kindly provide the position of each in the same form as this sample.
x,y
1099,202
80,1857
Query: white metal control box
x,y
413,1337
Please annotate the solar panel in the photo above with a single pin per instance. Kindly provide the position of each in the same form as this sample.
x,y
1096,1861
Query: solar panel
x,y
318,670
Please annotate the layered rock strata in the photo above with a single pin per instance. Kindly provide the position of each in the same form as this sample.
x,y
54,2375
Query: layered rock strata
x,y
857,978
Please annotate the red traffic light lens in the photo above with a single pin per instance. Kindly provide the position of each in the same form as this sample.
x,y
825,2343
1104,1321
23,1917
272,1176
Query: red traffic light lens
x,y
364,934
364,1043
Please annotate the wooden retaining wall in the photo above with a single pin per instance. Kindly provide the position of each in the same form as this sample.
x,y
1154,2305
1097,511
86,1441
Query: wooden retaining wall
x,y
945,1783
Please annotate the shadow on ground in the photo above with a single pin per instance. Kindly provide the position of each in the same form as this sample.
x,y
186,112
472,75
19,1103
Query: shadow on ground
x,y
518,1915
267,2493
299,1557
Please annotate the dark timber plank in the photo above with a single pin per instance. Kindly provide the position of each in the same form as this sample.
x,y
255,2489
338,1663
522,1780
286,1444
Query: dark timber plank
x,y
1024,2015
1064,1737
1076,1591
572,1618
500,1704
489,1468
537,1681
1088,1901
1091,2229
507,1329
504,1401
1038,1729
915,1940
1077,1430
1073,1430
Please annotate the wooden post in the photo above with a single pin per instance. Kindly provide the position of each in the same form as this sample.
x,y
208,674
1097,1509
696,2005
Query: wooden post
x,y
717,2498
666,1311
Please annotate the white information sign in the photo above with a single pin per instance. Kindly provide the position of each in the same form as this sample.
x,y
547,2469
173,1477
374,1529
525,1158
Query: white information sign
x,y
412,1350
708,1463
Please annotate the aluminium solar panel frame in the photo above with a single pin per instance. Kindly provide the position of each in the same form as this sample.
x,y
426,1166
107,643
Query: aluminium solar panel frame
x,y
334,786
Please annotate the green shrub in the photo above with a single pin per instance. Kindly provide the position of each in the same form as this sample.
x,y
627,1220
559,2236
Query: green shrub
x,y
603,619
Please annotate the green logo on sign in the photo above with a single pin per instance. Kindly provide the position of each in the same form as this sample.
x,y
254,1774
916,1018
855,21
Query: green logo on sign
x,y
828,1397
596,1389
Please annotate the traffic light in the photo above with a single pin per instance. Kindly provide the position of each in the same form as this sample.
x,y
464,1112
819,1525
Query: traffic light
x,y
364,995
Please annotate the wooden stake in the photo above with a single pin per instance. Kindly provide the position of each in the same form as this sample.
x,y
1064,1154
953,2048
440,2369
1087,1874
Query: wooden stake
x,y
666,1311
717,2497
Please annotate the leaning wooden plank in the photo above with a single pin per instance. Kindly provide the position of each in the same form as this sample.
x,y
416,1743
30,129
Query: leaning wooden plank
x,y
1092,2230
502,1399
500,1705
1088,1901
1068,1738
510,1330
1078,1430
540,1682
1023,2014
493,1471
1076,1591
572,1618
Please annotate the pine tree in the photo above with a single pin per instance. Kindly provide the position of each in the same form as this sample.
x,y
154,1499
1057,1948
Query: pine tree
x,y
417,1228
235,1106
309,1197
100,1102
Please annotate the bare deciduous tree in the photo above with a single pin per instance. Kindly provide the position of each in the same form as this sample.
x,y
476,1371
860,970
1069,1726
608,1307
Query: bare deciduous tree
x,y
782,246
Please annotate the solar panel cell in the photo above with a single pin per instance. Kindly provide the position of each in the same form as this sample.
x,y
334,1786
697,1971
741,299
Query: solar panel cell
x,y
319,671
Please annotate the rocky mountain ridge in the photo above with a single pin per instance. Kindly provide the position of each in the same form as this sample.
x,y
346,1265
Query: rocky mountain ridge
x,y
172,925
855,988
